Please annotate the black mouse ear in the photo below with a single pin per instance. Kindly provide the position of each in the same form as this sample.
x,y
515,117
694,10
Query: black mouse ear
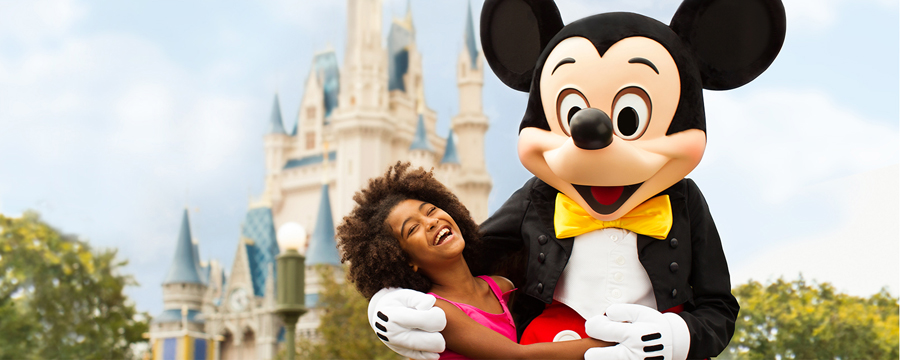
x,y
733,41
513,34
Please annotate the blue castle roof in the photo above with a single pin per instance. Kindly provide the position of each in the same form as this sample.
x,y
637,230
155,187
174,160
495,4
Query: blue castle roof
x,y
420,141
398,56
184,266
328,73
174,315
450,156
276,125
322,247
259,227
470,37
309,160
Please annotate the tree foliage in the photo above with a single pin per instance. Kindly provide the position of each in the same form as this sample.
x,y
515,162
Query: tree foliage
x,y
59,299
797,320
344,328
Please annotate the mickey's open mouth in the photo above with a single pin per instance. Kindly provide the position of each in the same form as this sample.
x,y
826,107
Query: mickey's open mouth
x,y
606,199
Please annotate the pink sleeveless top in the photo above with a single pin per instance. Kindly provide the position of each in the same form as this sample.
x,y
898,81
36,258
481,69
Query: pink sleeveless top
x,y
501,323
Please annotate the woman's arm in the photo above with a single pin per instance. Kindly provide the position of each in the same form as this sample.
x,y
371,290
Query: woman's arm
x,y
471,339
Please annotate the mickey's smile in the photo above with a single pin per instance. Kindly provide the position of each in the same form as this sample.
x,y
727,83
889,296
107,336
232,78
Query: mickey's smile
x,y
606,199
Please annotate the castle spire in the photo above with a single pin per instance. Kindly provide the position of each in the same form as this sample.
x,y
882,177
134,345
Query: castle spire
x,y
470,38
450,156
276,124
420,141
183,269
322,246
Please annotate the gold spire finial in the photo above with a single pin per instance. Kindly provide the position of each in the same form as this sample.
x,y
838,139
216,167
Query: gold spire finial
x,y
420,101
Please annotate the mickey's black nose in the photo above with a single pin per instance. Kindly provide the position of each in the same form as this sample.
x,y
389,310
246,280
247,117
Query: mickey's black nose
x,y
591,129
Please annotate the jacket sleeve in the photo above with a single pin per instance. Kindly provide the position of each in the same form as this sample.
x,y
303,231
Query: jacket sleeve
x,y
502,243
711,315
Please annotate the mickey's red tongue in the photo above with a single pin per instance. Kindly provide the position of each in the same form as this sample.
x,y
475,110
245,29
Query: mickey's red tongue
x,y
606,195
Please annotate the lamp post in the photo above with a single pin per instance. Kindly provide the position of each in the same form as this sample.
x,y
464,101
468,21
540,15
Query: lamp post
x,y
290,296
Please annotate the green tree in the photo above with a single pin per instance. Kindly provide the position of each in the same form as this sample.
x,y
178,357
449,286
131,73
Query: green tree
x,y
344,328
797,320
59,299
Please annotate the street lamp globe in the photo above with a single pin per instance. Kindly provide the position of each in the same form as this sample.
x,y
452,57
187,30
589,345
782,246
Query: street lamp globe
x,y
291,236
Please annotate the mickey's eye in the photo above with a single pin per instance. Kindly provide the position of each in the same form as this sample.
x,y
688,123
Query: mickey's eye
x,y
631,113
569,102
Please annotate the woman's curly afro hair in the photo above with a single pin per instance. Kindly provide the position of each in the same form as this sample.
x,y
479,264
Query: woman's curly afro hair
x,y
375,258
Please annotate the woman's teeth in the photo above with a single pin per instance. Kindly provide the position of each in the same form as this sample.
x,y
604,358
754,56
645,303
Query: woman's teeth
x,y
441,235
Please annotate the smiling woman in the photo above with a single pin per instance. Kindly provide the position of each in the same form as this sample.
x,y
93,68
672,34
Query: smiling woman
x,y
410,231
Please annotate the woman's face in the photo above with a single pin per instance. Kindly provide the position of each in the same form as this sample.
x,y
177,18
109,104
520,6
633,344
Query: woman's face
x,y
428,234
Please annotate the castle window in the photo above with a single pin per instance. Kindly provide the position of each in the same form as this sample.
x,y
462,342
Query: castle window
x,y
310,140
311,112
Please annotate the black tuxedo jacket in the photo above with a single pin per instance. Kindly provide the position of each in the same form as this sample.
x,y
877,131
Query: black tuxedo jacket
x,y
687,268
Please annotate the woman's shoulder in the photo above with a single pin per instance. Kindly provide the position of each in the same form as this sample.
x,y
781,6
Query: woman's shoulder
x,y
502,282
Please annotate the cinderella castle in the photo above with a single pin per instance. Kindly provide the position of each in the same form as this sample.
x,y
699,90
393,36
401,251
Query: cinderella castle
x,y
354,121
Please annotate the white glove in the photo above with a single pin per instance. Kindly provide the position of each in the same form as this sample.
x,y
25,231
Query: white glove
x,y
408,322
641,333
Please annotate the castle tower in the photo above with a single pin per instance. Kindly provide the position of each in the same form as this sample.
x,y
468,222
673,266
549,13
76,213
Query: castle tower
x,y
322,251
178,333
473,183
361,126
420,151
364,83
277,144
449,167
319,101
183,286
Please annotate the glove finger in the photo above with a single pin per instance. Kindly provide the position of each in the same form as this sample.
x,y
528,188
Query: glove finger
x,y
414,354
417,340
616,352
630,312
379,302
603,328
431,320
416,300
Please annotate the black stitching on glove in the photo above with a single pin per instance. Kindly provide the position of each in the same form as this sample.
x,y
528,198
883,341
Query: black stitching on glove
x,y
382,316
647,337
653,348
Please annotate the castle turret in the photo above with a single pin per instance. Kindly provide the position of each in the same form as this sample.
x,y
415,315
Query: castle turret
x,y
473,183
183,289
364,79
361,126
322,251
420,151
322,248
277,147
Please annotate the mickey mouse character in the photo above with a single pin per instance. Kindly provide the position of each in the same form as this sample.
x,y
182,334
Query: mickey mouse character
x,y
609,239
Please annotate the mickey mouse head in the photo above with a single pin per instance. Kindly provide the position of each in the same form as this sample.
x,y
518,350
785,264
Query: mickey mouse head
x,y
615,113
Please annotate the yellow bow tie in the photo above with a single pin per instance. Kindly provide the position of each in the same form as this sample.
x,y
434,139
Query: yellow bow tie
x,y
652,218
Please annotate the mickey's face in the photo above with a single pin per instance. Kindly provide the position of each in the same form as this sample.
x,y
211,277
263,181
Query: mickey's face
x,y
615,111
608,116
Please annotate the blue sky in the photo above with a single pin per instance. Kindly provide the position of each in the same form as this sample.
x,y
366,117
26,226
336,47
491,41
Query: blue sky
x,y
115,115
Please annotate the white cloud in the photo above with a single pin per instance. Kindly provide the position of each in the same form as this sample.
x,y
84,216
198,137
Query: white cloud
x,y
812,15
105,133
308,15
783,140
858,255
35,20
